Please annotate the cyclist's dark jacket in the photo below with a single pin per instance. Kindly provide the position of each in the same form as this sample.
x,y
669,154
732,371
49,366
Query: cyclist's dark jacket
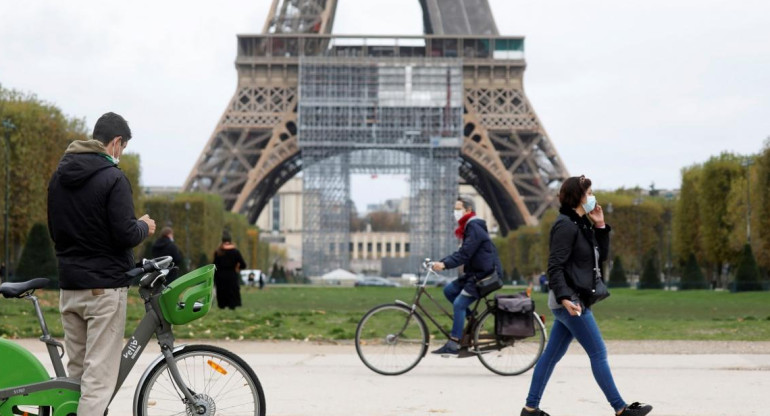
x,y
477,255
571,258
91,219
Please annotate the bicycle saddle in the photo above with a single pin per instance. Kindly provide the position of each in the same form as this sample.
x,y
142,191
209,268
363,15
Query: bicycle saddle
x,y
15,290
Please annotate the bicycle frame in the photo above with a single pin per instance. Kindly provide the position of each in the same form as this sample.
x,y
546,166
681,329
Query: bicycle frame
x,y
62,393
417,305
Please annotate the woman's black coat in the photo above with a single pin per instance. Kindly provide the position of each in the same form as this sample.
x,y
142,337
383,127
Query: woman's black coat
x,y
571,261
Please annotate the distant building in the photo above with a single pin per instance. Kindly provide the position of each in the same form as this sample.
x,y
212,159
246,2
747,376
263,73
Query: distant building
x,y
281,224
161,190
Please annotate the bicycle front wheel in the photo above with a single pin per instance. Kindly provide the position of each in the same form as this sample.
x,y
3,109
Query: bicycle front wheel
x,y
391,339
507,356
218,378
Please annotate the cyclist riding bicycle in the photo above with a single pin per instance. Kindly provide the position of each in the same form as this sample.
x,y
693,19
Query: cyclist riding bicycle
x,y
92,223
478,257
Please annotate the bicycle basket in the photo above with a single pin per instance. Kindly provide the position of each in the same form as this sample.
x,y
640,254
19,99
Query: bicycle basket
x,y
188,297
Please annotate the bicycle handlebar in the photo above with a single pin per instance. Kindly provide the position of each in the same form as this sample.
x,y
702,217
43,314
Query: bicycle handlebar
x,y
148,266
428,264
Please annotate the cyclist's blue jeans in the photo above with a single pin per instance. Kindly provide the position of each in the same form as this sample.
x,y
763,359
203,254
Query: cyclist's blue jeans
x,y
584,329
461,301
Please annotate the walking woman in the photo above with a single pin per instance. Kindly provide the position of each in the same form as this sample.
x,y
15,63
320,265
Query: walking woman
x,y
578,247
227,277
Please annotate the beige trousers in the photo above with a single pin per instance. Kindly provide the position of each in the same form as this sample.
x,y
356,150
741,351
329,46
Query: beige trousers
x,y
93,321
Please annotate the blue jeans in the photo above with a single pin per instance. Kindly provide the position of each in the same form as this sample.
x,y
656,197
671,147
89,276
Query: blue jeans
x,y
584,329
460,302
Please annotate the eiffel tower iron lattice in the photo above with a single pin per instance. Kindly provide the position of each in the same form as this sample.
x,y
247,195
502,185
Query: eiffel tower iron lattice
x,y
503,149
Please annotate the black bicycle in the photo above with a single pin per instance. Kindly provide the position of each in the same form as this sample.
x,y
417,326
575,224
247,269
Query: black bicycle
x,y
391,339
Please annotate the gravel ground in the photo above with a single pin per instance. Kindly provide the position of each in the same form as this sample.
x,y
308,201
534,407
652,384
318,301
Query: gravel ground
x,y
614,347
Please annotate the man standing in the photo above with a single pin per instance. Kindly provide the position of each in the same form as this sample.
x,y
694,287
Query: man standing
x,y
92,223
164,246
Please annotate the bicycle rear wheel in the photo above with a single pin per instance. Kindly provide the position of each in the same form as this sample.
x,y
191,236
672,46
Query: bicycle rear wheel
x,y
217,377
504,355
391,339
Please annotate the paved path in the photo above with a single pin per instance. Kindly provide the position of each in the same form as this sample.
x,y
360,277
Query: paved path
x,y
678,378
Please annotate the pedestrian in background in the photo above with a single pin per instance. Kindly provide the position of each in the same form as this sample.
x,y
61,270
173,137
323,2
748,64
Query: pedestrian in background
x,y
227,278
164,246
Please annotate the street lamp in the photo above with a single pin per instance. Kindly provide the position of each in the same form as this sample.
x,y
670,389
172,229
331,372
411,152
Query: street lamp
x,y
669,220
637,202
187,235
747,162
8,126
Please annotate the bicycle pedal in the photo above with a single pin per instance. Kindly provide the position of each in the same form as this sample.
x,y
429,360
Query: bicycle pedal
x,y
464,353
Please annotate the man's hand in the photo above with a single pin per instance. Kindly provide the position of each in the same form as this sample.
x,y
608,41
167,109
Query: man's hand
x,y
438,266
150,223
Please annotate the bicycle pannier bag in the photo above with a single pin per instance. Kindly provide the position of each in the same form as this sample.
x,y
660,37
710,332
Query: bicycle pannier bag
x,y
513,316
489,284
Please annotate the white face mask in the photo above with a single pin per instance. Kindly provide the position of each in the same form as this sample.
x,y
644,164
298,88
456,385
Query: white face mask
x,y
459,214
590,204
115,158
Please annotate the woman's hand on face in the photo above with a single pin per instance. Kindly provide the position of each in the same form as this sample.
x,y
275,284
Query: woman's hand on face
x,y
574,310
597,216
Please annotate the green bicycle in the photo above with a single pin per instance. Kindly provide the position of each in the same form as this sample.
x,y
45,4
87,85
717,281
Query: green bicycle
x,y
185,379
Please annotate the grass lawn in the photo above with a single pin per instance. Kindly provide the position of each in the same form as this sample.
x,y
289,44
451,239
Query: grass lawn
x,y
328,313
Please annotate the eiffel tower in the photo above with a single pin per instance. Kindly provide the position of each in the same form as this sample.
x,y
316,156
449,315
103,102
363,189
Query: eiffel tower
x,y
325,104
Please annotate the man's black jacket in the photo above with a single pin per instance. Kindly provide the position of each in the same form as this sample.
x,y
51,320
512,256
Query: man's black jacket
x,y
571,260
91,219
165,247
477,255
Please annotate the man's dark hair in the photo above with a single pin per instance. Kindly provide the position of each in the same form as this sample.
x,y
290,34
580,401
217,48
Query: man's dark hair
x,y
467,202
226,238
166,231
109,126
572,191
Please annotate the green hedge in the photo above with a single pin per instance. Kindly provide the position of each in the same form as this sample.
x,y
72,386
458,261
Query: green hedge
x,y
197,230
747,275
617,274
38,258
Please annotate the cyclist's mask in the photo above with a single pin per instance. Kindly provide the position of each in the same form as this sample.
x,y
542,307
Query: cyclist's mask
x,y
459,214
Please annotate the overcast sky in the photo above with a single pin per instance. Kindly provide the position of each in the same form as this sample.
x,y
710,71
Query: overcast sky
x,y
629,92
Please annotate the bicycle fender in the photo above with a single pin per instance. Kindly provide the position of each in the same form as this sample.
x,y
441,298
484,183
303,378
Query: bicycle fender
x,y
402,303
416,316
19,366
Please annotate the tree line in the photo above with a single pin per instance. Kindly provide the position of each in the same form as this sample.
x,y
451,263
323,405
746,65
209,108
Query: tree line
x,y
40,134
697,238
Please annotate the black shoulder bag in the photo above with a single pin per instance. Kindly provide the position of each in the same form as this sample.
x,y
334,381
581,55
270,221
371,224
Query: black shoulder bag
x,y
598,291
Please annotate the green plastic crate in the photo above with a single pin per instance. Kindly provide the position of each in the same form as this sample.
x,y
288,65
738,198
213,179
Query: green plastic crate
x,y
178,300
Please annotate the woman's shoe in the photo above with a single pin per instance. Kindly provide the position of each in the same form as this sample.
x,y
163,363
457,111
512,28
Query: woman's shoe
x,y
536,412
636,409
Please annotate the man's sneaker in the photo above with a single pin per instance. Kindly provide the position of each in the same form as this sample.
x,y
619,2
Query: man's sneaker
x,y
447,350
536,412
636,409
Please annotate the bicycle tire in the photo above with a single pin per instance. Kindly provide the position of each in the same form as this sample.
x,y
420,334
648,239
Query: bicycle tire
x,y
391,339
214,374
503,355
